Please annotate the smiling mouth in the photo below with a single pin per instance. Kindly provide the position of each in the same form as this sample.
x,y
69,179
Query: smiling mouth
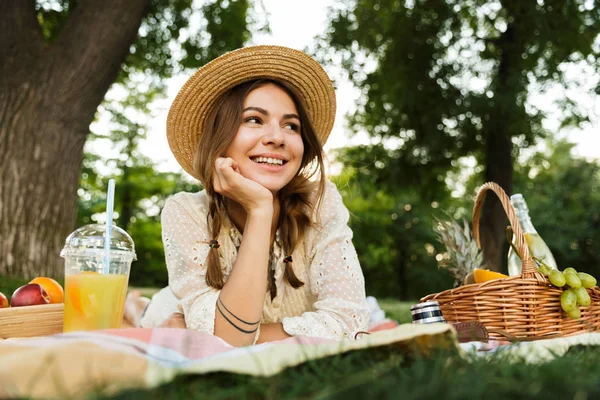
x,y
268,161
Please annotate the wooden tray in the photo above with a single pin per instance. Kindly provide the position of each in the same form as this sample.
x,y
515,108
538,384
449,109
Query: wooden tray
x,y
32,321
46,319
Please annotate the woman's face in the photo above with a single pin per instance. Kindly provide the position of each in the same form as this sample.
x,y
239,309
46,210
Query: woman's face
x,y
268,145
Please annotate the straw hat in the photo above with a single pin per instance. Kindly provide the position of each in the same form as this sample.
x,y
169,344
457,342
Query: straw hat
x,y
187,116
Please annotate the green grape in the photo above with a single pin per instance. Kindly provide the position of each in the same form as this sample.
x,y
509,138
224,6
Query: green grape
x,y
544,269
574,313
583,298
557,278
568,300
587,280
569,270
572,280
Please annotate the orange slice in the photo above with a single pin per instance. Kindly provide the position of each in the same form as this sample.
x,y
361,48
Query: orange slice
x,y
73,292
484,275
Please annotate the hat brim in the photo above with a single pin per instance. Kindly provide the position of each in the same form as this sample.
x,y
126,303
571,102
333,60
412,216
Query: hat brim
x,y
187,116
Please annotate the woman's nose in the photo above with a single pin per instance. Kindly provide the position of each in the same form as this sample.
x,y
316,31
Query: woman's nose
x,y
273,134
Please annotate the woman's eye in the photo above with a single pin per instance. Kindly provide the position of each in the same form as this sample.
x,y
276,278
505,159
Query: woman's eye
x,y
293,127
253,120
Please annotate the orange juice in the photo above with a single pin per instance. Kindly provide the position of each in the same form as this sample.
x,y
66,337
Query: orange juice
x,y
94,301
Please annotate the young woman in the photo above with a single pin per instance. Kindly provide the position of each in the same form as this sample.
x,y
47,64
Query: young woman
x,y
264,252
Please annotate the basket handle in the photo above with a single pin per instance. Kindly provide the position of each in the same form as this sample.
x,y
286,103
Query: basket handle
x,y
528,270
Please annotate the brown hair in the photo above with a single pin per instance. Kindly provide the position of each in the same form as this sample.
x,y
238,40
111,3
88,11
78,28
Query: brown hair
x,y
296,199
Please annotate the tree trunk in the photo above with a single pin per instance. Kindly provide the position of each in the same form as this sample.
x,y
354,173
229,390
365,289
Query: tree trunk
x,y
126,199
49,94
508,86
402,257
493,218
39,174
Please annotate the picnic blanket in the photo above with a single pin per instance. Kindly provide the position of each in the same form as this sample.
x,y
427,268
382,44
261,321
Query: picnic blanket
x,y
533,352
75,364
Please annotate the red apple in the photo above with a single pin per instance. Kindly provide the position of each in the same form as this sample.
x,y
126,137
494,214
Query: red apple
x,y
29,295
3,301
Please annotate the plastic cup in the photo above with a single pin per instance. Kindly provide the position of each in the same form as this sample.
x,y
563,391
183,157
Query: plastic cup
x,y
95,295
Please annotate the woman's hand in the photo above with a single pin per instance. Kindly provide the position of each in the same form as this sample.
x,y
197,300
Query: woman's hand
x,y
176,320
229,182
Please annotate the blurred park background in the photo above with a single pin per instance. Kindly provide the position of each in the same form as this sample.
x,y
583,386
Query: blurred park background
x,y
436,97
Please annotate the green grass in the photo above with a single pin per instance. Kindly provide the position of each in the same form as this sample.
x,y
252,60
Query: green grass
x,y
379,374
396,310
9,284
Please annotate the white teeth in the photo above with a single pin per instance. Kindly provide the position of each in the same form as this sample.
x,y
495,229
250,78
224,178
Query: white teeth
x,y
268,160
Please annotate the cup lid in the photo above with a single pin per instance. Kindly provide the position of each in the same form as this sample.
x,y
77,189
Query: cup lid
x,y
89,240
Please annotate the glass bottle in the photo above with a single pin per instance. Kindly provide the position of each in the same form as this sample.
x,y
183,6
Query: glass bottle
x,y
537,247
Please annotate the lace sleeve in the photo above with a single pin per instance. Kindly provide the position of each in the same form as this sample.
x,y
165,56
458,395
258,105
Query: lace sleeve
x,y
185,238
336,278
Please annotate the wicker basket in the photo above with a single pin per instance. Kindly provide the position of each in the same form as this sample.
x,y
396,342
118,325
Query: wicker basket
x,y
524,307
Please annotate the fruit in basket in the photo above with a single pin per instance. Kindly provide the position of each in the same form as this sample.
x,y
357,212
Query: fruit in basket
x,y
29,295
469,279
572,279
587,281
557,278
574,313
53,288
462,254
484,275
3,301
568,300
575,294
583,298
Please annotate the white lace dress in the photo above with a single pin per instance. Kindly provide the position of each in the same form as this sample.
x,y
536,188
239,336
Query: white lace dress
x,y
331,304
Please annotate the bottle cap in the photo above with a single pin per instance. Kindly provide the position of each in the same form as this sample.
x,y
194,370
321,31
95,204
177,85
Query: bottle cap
x,y
516,197
518,202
